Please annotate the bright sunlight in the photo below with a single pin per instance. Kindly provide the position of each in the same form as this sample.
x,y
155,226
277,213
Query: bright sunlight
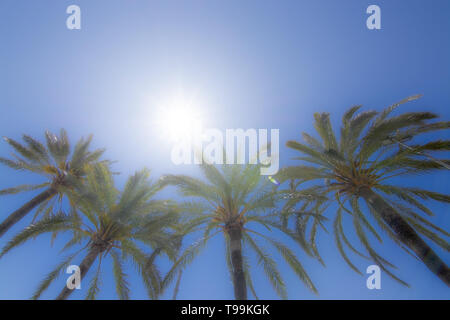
x,y
178,119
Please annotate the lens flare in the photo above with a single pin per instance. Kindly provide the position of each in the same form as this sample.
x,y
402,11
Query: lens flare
x,y
273,180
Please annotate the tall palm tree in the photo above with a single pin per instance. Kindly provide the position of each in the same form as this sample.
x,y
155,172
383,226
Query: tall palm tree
x,y
63,172
112,224
371,152
234,199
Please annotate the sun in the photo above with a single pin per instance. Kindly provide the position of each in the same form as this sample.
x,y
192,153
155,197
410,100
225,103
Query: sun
x,y
178,120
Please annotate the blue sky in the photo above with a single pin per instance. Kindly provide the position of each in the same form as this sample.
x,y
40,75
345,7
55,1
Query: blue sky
x,y
252,64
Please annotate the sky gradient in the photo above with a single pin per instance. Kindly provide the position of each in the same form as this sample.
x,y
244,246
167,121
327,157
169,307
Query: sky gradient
x,y
246,64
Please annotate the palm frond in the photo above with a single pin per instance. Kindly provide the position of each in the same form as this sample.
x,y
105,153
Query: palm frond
x,y
325,130
248,276
269,266
380,261
51,276
295,264
24,188
122,289
383,129
58,222
337,237
94,287
186,257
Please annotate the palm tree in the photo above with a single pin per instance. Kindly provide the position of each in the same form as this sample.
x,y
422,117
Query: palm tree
x,y
113,224
63,173
232,200
372,151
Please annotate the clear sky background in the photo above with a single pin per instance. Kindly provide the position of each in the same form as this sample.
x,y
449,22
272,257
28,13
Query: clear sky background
x,y
248,64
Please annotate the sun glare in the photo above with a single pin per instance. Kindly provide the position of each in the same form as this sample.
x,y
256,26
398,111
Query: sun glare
x,y
177,121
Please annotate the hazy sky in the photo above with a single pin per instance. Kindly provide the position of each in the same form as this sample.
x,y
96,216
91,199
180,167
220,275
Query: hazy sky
x,y
245,64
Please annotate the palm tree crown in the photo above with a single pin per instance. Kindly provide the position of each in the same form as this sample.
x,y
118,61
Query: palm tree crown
x,y
63,171
235,199
109,223
372,151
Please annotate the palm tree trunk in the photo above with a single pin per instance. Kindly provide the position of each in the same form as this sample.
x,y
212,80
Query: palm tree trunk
x,y
240,286
407,234
17,215
85,265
